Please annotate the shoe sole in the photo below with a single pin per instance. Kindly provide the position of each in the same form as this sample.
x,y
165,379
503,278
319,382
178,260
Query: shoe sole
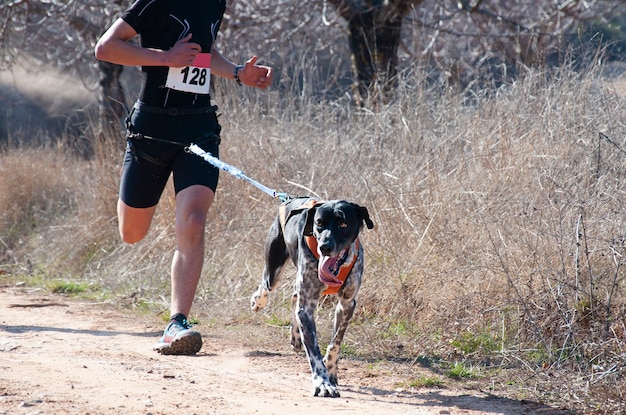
x,y
187,345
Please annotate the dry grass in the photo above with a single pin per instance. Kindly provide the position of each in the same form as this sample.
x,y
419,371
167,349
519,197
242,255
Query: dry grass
x,y
499,220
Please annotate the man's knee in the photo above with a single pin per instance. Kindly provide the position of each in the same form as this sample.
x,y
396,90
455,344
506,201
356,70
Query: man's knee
x,y
131,236
134,223
192,206
192,225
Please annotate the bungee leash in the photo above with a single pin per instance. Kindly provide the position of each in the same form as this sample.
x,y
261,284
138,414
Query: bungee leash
x,y
195,149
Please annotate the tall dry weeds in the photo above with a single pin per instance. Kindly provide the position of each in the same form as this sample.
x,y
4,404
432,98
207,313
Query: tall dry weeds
x,y
499,216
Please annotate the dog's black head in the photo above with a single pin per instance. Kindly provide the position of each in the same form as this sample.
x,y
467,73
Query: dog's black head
x,y
336,224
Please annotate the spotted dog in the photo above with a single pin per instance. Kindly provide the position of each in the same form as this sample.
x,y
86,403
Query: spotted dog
x,y
321,238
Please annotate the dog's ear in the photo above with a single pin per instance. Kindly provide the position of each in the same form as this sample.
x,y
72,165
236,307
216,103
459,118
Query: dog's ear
x,y
365,216
308,224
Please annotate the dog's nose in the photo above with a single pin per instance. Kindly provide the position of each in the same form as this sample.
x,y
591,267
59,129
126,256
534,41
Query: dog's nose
x,y
325,249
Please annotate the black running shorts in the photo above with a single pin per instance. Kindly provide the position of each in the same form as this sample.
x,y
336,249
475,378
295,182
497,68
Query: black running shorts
x,y
149,162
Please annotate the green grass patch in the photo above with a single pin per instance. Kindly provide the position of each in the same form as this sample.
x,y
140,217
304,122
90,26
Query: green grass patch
x,y
68,287
424,381
277,321
462,371
348,349
399,328
468,343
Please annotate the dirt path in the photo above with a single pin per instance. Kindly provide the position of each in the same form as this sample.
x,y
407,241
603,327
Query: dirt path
x,y
60,356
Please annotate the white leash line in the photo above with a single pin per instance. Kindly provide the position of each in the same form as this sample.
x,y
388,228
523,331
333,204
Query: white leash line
x,y
195,149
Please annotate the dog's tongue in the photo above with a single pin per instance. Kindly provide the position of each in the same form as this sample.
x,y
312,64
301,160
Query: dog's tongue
x,y
328,270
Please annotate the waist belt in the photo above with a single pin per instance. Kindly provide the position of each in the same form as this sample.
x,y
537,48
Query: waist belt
x,y
174,111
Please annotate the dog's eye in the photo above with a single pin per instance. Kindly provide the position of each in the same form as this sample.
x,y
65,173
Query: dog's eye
x,y
343,225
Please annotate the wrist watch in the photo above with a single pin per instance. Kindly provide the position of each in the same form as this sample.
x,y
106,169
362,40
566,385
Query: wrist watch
x,y
236,74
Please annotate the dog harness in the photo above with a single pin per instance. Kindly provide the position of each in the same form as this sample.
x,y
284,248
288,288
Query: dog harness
x,y
344,269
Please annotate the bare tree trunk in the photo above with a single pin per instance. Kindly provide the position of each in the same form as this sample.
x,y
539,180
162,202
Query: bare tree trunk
x,y
111,99
374,35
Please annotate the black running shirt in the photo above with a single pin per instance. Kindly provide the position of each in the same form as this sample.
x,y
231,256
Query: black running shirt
x,y
160,24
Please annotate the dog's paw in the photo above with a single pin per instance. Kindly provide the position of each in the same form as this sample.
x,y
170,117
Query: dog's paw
x,y
259,299
296,344
295,339
325,390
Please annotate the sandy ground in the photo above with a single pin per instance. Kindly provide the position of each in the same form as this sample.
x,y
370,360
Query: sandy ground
x,y
63,356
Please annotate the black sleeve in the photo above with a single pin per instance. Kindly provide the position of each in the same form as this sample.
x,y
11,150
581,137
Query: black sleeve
x,y
144,15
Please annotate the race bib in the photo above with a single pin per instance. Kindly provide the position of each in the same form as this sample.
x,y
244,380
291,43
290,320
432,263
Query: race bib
x,y
195,78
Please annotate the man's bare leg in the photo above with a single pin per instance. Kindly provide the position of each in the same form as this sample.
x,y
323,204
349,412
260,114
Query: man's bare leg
x,y
192,205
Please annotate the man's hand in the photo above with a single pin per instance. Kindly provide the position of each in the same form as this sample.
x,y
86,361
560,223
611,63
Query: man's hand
x,y
258,76
183,53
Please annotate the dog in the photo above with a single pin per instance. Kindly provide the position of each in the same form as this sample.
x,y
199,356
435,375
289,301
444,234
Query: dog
x,y
321,238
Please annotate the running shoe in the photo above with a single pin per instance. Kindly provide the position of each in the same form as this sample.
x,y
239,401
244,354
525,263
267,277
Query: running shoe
x,y
179,339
